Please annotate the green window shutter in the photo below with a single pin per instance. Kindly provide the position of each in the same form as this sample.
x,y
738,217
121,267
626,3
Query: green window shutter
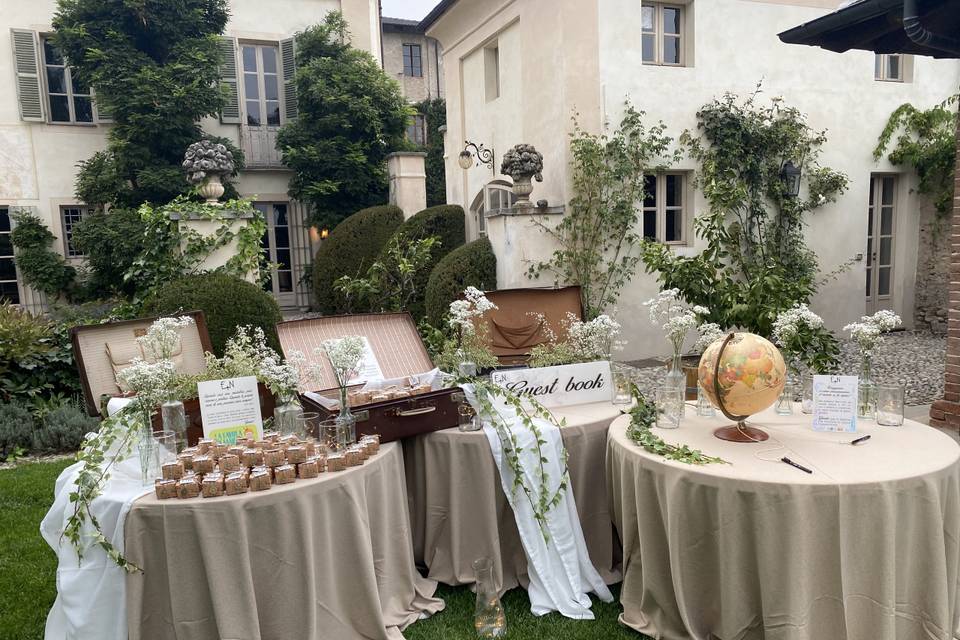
x,y
230,113
27,71
288,57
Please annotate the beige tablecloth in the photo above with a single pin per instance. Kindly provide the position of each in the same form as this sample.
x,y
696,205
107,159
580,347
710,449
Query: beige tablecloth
x,y
324,558
459,511
867,547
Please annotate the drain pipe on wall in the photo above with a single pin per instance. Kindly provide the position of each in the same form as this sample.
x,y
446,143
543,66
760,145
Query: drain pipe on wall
x,y
923,36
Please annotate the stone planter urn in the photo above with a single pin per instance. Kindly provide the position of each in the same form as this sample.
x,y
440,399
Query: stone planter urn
x,y
523,163
205,163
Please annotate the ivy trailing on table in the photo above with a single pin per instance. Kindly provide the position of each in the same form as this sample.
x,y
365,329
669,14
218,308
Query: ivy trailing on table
x,y
643,415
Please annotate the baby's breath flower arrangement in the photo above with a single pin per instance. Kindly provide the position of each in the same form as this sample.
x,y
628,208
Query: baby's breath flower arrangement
x,y
469,332
803,340
677,320
869,335
586,341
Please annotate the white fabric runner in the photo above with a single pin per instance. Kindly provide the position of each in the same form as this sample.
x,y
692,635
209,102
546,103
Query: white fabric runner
x,y
91,595
561,574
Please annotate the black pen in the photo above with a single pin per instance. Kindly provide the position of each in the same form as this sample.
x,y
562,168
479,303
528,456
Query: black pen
x,y
794,464
861,439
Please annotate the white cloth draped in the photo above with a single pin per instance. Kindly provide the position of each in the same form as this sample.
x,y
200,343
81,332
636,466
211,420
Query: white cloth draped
x,y
561,574
91,594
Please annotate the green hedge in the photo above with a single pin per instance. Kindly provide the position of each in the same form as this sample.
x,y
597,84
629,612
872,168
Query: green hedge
x,y
351,248
473,264
111,243
447,223
227,301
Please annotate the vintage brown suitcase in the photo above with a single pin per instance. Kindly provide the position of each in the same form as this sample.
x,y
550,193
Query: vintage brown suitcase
x,y
399,351
101,350
514,328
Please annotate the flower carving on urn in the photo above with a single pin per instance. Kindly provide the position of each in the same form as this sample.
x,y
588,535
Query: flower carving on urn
x,y
523,162
205,162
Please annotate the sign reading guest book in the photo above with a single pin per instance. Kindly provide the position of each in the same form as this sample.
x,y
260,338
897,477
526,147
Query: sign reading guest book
x,y
230,409
835,403
561,386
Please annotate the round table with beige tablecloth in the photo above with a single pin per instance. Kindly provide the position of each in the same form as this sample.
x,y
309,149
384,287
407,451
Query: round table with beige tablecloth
x,y
321,558
867,547
459,511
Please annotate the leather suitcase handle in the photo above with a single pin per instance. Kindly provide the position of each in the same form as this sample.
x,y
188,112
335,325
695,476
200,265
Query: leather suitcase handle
x,y
416,412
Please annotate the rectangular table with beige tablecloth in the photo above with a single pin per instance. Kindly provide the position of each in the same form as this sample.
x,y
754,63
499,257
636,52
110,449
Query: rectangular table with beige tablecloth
x,y
320,558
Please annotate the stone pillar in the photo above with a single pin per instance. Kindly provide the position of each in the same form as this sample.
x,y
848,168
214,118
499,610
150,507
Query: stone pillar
x,y
518,241
408,181
946,412
208,227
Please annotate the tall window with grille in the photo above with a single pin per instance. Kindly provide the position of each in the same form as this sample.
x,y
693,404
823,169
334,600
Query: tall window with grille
x,y
662,34
9,291
68,97
70,217
277,249
261,84
664,207
412,61
417,130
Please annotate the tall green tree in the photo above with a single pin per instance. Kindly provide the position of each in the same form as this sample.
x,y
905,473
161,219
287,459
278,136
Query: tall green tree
x,y
435,113
350,115
154,69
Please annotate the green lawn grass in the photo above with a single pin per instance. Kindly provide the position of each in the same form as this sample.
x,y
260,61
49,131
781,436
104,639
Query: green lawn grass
x,y
28,578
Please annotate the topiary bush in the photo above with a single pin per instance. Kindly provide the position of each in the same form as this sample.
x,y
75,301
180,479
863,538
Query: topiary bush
x,y
16,429
228,302
447,223
63,429
350,249
473,264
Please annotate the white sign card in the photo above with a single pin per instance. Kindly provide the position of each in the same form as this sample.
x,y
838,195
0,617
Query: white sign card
x,y
835,403
561,386
369,368
230,409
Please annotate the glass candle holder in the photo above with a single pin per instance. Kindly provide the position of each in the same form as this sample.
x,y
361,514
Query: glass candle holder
x,y
330,436
890,401
174,419
307,425
806,394
669,402
466,415
784,405
705,407
286,415
622,381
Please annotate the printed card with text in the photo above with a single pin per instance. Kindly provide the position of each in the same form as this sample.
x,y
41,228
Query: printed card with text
x,y
230,409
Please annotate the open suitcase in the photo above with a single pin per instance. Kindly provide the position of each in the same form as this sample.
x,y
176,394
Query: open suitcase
x,y
102,350
399,352
524,319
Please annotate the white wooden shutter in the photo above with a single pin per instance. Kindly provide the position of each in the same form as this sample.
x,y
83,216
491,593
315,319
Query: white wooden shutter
x,y
230,113
289,61
27,70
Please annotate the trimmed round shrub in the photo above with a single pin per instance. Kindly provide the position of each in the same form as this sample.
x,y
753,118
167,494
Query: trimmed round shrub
x,y
349,250
447,223
473,264
16,429
227,301
63,429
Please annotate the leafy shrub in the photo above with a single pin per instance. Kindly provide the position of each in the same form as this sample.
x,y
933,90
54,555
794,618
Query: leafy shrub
x,y
40,266
16,429
473,264
351,248
35,356
63,429
111,242
227,301
396,280
447,224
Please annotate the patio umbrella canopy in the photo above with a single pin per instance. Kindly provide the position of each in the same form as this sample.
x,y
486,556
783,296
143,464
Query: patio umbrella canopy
x,y
922,27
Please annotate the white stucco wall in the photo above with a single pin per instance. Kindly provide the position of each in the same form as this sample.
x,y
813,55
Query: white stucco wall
x,y
569,54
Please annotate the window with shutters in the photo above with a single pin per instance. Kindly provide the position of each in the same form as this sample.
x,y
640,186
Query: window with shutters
x,y
68,98
261,84
9,290
665,207
70,217
417,130
412,61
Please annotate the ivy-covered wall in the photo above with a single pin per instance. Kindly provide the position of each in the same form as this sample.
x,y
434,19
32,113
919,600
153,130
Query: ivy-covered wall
x,y
933,270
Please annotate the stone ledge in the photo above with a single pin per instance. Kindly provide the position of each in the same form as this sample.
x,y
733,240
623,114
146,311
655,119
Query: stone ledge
x,y
526,211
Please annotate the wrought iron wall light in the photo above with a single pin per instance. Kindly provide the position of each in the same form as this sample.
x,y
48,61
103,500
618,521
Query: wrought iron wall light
x,y
483,156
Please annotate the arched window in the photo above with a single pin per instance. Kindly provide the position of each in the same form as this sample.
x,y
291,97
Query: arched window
x,y
495,196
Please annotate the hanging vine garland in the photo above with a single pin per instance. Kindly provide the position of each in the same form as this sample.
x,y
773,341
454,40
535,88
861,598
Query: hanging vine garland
x,y
643,416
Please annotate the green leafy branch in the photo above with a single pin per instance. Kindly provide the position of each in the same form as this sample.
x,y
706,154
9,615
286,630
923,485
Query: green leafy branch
x,y
643,416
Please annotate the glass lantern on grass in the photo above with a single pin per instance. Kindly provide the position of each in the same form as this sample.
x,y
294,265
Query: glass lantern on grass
x,y
489,619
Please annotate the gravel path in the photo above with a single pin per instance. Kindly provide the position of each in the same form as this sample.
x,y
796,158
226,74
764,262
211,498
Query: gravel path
x,y
914,358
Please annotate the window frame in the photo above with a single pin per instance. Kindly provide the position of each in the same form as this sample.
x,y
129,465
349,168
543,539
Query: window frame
x,y
407,52
8,211
418,122
273,285
261,74
482,201
660,207
66,227
68,85
659,34
880,71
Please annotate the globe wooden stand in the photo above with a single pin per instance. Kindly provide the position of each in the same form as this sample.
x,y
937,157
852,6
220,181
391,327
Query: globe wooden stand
x,y
738,432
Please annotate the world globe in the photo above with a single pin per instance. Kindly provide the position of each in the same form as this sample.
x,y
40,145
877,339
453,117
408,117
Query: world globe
x,y
742,374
